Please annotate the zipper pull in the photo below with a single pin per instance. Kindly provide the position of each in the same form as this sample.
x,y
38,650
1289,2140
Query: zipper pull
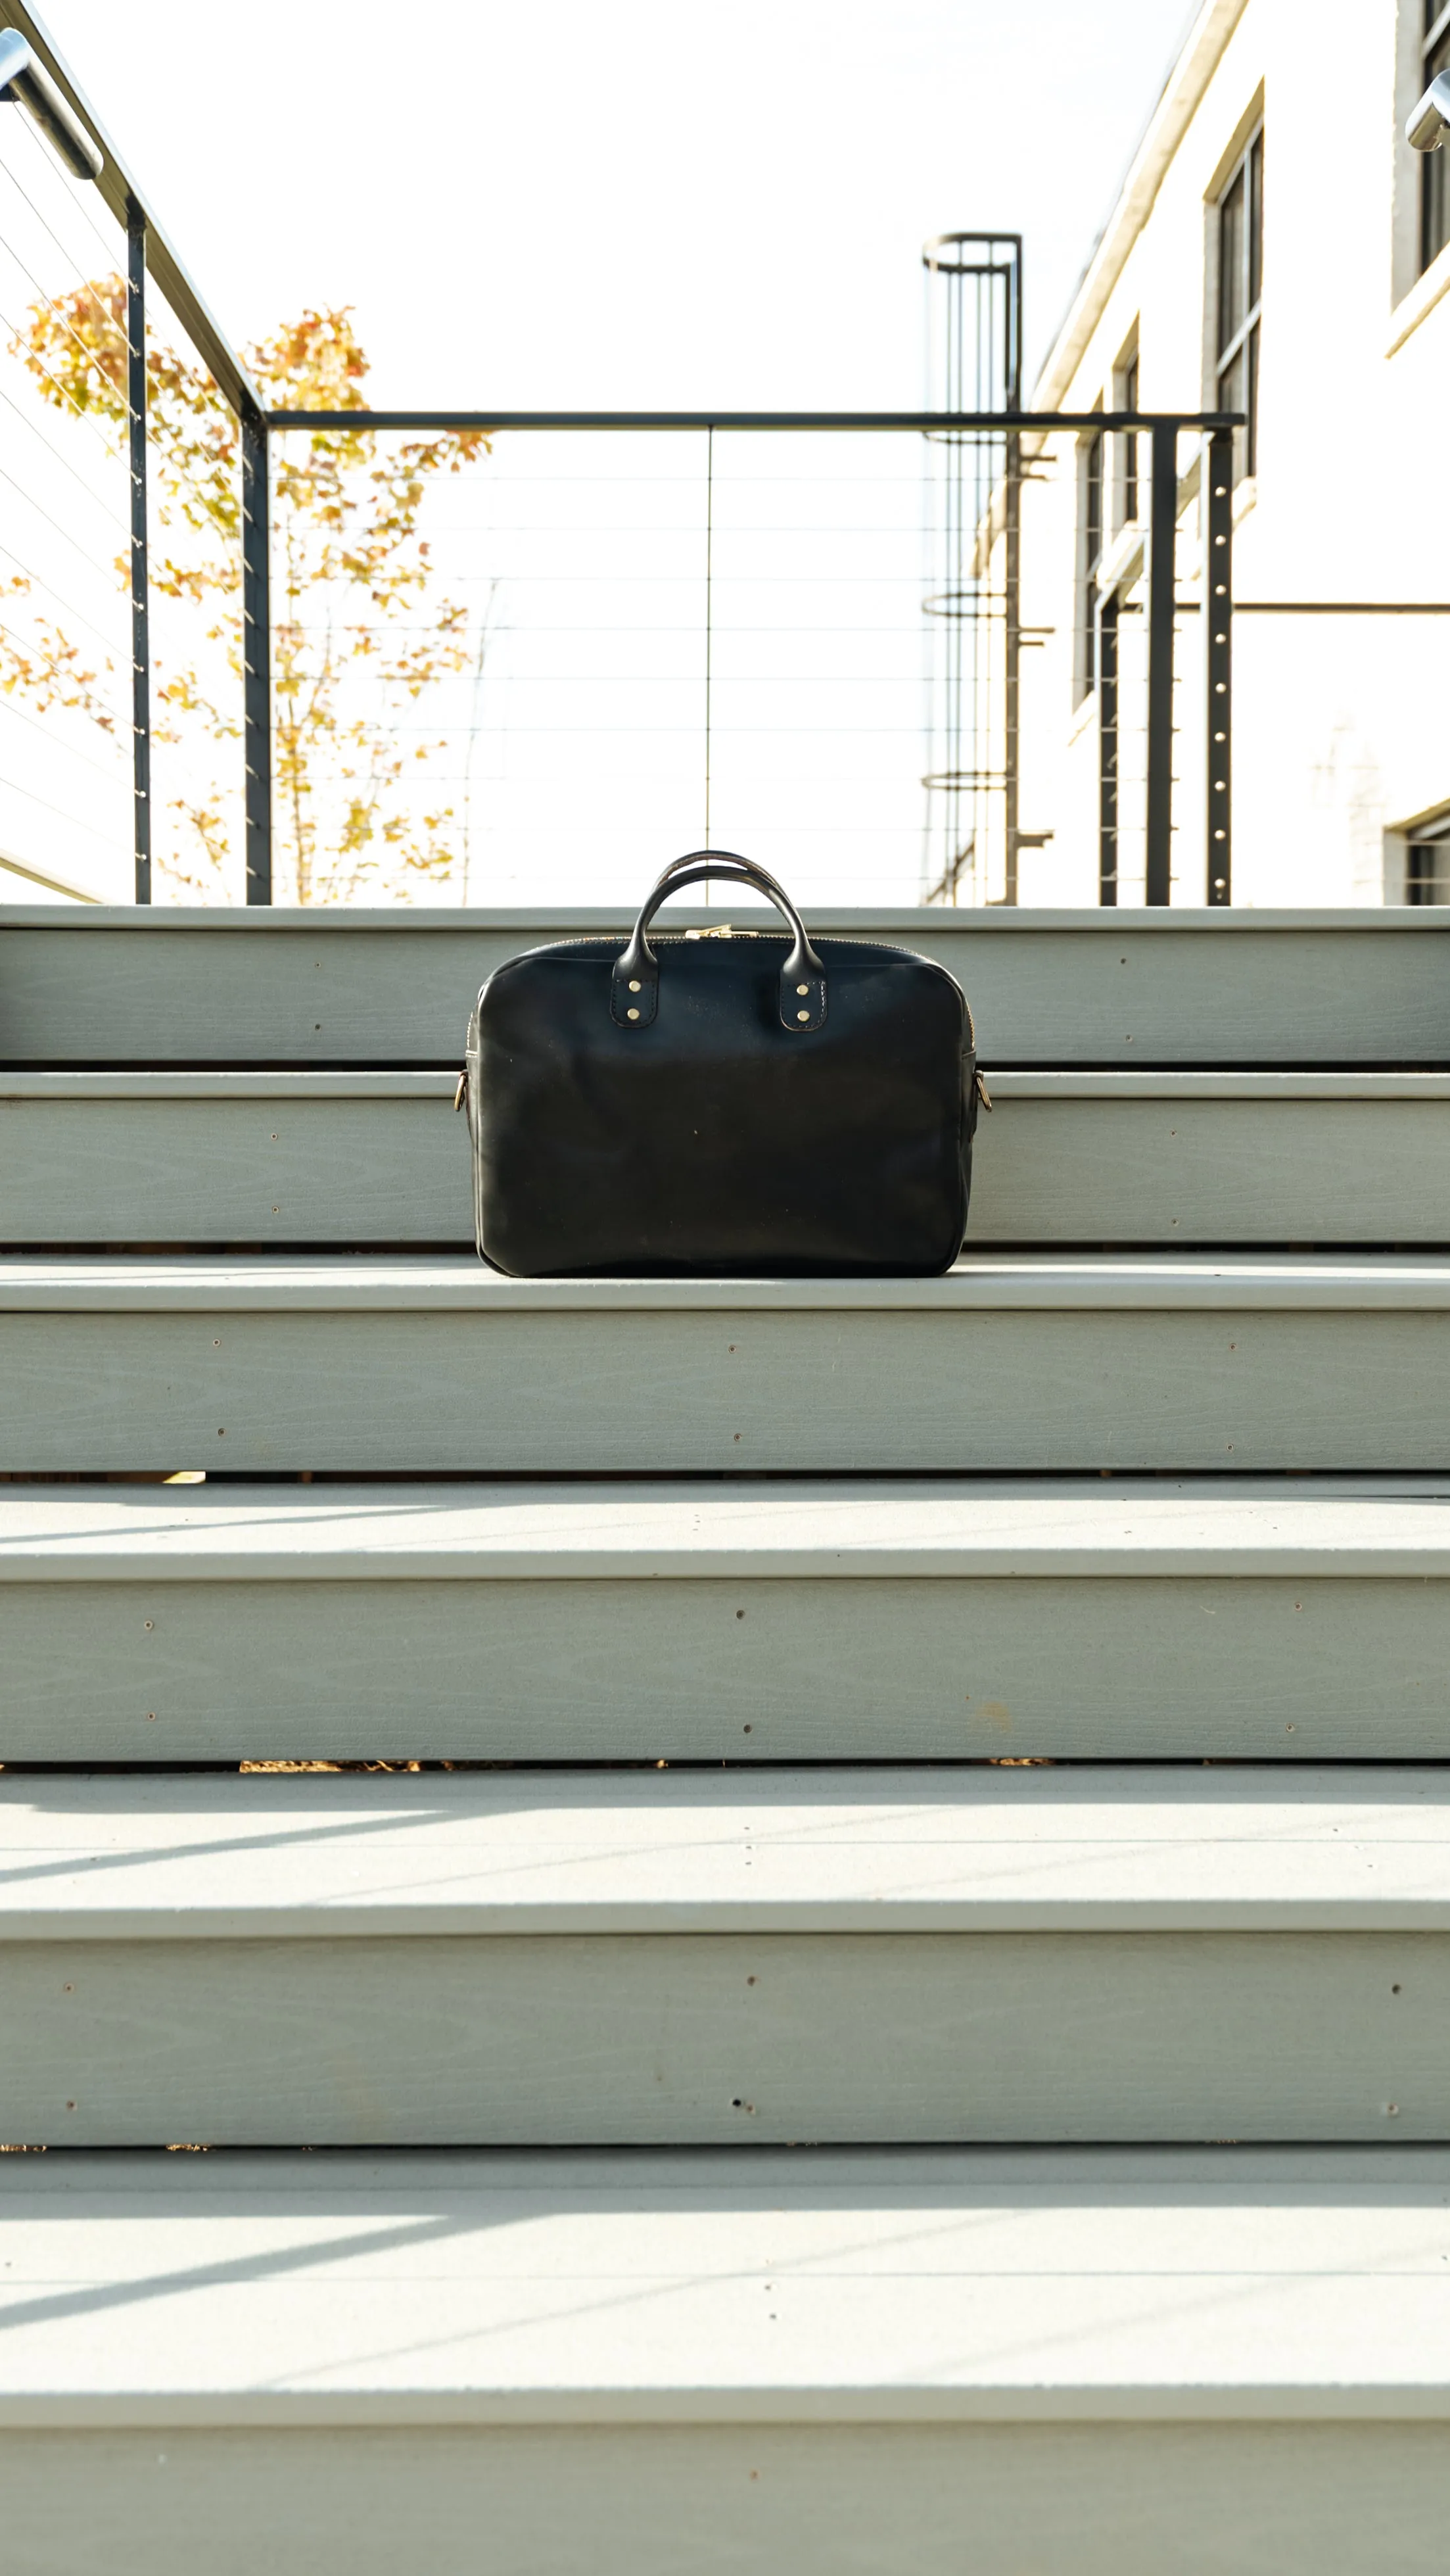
x,y
983,1094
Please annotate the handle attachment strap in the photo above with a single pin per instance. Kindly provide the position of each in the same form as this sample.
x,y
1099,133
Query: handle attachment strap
x,y
635,983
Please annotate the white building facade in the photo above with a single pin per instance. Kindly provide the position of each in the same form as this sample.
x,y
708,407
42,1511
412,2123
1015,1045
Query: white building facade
x,y
1276,250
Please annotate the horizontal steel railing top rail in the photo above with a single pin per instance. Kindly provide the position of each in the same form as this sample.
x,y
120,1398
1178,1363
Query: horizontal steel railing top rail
x,y
997,421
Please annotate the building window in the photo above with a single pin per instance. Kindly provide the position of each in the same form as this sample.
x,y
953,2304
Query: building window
x,y
1427,863
1240,280
1435,168
1091,462
1127,491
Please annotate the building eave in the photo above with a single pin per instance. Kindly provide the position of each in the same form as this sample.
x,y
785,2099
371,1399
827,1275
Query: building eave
x,y
1199,57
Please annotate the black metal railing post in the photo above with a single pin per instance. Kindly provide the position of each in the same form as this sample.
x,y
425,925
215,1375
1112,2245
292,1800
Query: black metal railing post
x,y
1107,660
1162,542
140,578
1012,673
257,650
1218,604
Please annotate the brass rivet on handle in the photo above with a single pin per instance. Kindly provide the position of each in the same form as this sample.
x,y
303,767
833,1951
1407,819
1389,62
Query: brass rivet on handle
x,y
634,988
632,1015
803,1015
803,988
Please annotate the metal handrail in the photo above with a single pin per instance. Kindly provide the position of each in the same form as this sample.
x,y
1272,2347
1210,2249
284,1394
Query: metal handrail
x,y
415,422
119,189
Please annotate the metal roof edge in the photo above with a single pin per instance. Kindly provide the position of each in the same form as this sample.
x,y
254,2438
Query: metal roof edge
x,y
1198,57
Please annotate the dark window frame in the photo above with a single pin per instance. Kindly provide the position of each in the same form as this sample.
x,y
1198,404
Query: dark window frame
x,y
1239,215
1435,166
1093,486
1427,862
1127,494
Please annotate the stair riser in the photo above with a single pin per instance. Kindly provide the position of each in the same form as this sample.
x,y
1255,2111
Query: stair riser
x,y
148,1671
335,989
850,1391
838,2039
394,1172
1060,2499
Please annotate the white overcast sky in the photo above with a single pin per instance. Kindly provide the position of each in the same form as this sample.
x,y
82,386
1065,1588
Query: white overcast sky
x,y
620,203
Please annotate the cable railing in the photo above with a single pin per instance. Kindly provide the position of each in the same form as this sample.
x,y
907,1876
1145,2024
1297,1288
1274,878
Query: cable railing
x,y
260,641
65,772
120,666
649,628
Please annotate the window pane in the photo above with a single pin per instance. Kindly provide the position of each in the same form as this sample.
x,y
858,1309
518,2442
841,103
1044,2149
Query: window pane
x,y
1231,306
1238,391
1231,384
1092,550
1251,402
1256,219
1427,872
1435,174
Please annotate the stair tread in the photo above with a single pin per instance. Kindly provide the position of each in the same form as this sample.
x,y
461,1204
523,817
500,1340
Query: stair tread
x,y
378,987
879,2286
841,1528
987,1849
1172,1159
363,1082
457,1282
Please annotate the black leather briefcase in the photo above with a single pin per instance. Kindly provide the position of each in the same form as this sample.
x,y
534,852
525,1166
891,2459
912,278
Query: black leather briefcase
x,y
728,1102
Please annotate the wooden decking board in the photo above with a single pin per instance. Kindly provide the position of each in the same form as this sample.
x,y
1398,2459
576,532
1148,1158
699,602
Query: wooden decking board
x,y
413,1855
821,2499
1060,1366
843,1530
725,1669
212,987
908,2288
707,2040
673,1960
311,1158
1090,1283
207,1087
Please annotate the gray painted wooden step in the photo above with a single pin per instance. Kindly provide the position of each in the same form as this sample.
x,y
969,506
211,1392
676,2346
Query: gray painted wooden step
x,y
733,2500
622,2366
413,1856
910,2287
1293,1620
686,1960
344,987
1028,1363
356,1158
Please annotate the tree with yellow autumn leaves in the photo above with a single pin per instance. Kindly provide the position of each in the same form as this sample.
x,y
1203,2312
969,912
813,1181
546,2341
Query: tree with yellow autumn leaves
x,y
359,629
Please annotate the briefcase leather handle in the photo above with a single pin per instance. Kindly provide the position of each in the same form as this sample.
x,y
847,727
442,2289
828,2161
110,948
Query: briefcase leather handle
x,y
635,983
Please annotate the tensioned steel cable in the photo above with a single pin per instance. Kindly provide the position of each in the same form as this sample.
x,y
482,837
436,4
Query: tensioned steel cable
x,y
72,750
86,419
74,472
108,641
12,787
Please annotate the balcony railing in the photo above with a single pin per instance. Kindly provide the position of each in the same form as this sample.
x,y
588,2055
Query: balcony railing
x,y
951,656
